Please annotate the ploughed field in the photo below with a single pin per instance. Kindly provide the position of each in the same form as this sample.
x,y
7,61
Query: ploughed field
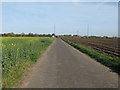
x,y
18,54
108,46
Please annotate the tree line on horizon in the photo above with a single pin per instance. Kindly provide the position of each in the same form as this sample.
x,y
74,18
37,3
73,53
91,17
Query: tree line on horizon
x,y
25,35
47,35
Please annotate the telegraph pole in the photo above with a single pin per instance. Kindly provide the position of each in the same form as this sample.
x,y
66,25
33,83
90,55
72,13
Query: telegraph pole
x,y
54,28
87,30
77,33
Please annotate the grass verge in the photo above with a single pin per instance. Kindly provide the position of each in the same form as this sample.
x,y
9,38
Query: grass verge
x,y
113,63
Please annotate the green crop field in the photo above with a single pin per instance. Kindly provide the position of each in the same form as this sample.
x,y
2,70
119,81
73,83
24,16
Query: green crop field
x,y
18,54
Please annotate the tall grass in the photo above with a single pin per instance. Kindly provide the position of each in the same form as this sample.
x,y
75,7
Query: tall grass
x,y
113,63
19,53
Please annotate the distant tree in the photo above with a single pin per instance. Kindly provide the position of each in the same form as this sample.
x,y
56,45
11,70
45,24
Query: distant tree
x,y
53,34
22,34
30,34
105,37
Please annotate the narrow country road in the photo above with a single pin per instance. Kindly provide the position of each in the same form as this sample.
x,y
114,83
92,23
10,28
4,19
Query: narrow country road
x,y
62,66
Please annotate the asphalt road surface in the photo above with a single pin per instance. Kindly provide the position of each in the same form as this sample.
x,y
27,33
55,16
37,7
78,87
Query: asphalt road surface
x,y
62,66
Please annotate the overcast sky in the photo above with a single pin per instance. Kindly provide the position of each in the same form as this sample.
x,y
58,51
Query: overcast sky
x,y
69,17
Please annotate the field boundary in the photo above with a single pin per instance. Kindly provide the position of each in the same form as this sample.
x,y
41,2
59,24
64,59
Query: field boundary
x,y
112,63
